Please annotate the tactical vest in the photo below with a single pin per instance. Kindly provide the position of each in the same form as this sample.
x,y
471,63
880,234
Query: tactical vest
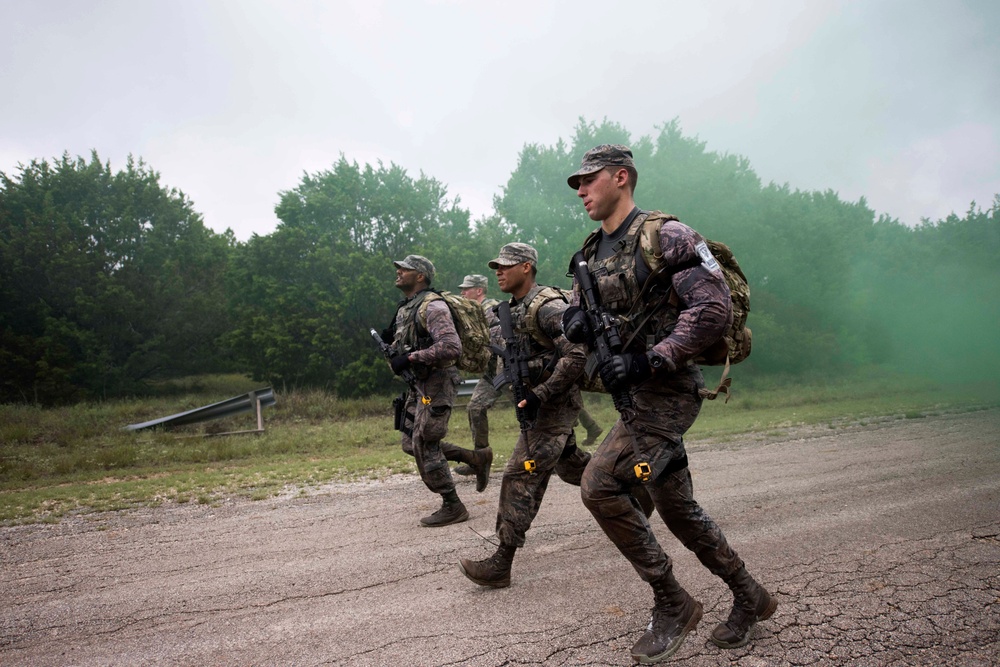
x,y
645,317
524,317
410,336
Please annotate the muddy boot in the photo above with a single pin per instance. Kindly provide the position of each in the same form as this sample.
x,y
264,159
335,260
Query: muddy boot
x,y
675,614
477,461
464,469
751,603
592,435
452,511
494,571
481,462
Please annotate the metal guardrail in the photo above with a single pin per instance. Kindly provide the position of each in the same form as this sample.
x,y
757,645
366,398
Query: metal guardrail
x,y
253,401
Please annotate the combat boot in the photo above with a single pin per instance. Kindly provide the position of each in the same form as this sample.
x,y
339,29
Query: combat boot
x,y
482,460
464,469
494,571
450,512
751,603
675,614
592,435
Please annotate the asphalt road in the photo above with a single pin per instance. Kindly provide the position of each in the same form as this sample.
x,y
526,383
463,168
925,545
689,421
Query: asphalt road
x,y
881,541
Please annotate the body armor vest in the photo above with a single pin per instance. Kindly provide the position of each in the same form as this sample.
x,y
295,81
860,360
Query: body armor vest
x,y
524,318
410,337
645,312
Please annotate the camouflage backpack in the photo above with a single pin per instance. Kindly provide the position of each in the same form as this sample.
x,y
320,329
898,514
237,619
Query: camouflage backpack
x,y
470,322
734,346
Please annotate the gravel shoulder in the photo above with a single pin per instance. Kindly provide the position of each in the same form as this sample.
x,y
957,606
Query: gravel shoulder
x,y
881,541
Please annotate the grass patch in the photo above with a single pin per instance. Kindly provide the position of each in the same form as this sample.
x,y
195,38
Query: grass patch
x,y
77,459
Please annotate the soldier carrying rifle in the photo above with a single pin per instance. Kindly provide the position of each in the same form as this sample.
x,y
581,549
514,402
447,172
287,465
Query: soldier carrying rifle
x,y
423,344
650,328
548,404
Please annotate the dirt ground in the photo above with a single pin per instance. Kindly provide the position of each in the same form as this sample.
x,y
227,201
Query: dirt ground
x,y
881,541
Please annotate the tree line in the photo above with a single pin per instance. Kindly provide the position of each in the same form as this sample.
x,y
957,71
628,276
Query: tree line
x,y
110,280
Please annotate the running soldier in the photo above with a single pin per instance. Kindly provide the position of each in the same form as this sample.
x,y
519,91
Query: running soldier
x,y
426,341
657,368
553,402
484,396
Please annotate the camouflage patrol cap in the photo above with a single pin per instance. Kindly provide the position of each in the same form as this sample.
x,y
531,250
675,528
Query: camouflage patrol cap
x,y
474,280
515,253
599,157
417,263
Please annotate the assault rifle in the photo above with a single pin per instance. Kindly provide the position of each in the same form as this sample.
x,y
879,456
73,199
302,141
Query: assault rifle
x,y
399,403
607,342
515,372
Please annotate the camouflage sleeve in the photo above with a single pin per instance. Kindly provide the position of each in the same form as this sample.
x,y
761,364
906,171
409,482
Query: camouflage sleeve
x,y
572,358
445,346
492,319
496,338
706,309
574,300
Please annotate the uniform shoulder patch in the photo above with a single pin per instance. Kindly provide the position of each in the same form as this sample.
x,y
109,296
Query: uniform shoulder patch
x,y
707,258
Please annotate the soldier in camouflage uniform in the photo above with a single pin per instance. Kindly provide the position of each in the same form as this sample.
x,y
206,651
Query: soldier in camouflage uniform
x,y
553,402
484,396
425,340
658,370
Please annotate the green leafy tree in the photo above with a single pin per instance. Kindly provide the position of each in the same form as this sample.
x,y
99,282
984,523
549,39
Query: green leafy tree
x,y
106,281
304,297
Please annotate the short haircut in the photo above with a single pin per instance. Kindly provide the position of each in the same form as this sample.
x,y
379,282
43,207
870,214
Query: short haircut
x,y
633,175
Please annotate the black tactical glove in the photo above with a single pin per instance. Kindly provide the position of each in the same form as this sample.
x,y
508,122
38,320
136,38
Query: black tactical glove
x,y
624,370
399,363
531,408
575,326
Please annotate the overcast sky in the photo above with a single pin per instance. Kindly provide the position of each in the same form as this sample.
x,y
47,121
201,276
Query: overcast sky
x,y
896,101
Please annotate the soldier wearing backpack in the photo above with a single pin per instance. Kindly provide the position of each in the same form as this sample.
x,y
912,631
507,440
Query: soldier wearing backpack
x,y
425,339
665,326
484,396
552,404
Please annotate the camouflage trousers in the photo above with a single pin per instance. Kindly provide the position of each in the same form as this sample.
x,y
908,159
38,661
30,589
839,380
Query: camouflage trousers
x,y
553,450
425,426
484,397
664,412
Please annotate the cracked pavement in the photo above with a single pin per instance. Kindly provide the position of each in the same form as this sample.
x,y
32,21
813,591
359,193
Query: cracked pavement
x,y
881,542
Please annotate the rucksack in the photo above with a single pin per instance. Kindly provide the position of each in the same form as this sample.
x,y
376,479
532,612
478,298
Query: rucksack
x,y
735,344
473,330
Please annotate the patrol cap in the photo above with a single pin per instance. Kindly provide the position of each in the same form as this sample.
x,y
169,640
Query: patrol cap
x,y
474,280
515,253
599,157
417,263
